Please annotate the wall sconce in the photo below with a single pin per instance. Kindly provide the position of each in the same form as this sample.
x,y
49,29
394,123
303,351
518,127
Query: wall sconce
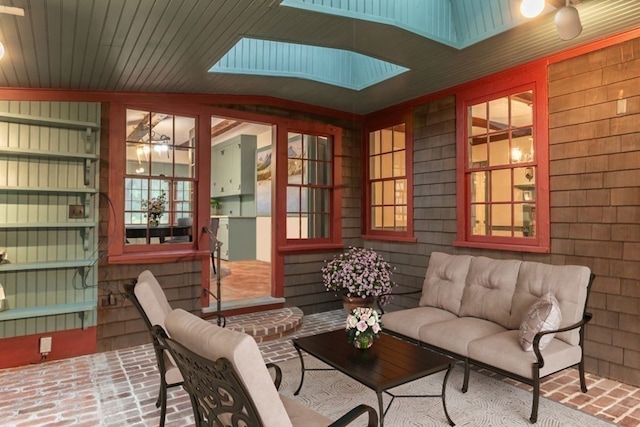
x,y
568,22
528,173
1,50
531,8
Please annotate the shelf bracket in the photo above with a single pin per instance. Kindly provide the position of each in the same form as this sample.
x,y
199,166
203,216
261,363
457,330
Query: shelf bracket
x,y
85,199
84,234
89,144
82,315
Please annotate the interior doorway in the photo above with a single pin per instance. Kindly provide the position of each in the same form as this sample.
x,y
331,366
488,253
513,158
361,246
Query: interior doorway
x,y
241,192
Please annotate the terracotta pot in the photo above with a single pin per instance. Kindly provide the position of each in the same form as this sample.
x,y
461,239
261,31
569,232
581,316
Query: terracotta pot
x,y
350,303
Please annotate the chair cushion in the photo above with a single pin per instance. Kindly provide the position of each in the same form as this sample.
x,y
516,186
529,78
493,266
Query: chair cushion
x,y
543,315
503,352
152,298
409,321
455,335
568,283
444,281
213,342
489,289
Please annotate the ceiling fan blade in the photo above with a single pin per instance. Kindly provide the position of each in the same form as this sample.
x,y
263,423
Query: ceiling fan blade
x,y
10,10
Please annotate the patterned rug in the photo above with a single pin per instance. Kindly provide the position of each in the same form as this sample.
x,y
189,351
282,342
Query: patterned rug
x,y
488,402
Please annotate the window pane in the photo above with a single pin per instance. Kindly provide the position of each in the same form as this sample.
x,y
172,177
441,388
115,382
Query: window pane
x,y
376,217
376,193
399,163
387,140
388,192
388,217
524,184
386,165
374,142
323,149
478,119
185,162
501,220
479,220
137,159
374,167
501,185
499,153
522,109
478,152
401,218
498,114
399,137
479,182
401,192
522,146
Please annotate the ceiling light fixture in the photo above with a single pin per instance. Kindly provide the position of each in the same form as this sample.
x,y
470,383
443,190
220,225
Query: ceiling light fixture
x,y
568,22
1,50
531,8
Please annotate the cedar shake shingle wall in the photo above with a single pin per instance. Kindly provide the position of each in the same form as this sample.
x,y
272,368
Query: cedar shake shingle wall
x,y
120,325
595,196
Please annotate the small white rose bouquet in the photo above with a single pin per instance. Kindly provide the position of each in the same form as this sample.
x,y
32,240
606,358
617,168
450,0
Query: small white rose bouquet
x,y
363,326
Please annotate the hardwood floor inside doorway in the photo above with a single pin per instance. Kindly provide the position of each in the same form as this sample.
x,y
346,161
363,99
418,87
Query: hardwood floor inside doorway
x,y
243,280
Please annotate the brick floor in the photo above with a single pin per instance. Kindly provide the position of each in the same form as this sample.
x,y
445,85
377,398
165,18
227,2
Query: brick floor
x,y
120,387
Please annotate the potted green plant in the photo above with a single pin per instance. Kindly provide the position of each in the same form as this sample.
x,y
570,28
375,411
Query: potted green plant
x,y
359,275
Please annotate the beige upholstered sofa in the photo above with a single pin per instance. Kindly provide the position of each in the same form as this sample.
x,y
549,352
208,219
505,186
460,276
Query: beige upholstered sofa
x,y
479,309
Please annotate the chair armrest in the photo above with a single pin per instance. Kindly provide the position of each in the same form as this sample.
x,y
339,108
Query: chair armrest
x,y
278,379
536,339
354,414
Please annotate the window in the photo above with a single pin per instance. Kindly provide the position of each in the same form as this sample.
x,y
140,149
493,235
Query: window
x,y
502,169
309,186
160,177
388,172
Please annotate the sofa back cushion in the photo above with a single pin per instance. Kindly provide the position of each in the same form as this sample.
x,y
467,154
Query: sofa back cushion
x,y
568,283
444,282
489,290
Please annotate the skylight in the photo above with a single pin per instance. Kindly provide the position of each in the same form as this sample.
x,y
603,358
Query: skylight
x,y
456,23
336,67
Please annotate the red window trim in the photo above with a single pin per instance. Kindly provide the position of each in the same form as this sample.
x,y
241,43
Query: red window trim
x,y
531,77
118,252
405,116
335,234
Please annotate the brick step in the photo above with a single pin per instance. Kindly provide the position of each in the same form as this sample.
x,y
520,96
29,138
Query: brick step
x,y
267,325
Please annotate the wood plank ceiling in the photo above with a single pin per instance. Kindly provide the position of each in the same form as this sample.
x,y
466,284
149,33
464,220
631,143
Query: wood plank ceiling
x,y
168,46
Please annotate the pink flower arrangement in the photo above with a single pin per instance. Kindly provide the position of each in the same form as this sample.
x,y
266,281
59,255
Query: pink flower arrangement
x,y
359,272
363,324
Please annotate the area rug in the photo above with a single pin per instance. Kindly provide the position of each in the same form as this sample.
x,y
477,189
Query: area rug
x,y
489,402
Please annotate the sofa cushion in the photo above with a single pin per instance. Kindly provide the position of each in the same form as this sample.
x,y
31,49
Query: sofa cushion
x,y
409,321
213,342
568,283
303,416
444,281
489,289
543,315
454,335
503,351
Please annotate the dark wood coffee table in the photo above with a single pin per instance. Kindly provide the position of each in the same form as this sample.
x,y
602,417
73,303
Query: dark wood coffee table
x,y
389,363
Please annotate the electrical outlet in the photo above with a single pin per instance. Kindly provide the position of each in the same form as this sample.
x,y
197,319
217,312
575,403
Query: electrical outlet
x,y
45,345
76,211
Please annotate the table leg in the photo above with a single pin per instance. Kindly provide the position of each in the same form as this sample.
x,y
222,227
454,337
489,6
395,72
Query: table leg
x,y
444,389
381,411
301,370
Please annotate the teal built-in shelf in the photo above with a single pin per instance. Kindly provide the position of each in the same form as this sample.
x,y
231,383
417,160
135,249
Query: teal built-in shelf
x,y
26,119
46,154
49,190
47,310
47,265
22,225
